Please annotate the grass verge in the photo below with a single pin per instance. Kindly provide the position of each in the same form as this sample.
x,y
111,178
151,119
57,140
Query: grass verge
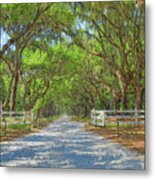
x,y
80,119
14,131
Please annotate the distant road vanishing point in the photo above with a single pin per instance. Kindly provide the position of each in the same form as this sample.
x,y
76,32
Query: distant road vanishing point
x,y
66,144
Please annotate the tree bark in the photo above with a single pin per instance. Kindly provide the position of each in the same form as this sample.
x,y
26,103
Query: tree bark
x,y
8,94
15,79
138,100
14,91
124,100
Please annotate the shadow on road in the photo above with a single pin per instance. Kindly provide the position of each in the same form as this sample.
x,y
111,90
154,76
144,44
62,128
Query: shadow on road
x,y
66,144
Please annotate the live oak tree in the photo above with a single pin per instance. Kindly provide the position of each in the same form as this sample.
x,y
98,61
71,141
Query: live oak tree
x,y
115,33
24,24
19,26
72,57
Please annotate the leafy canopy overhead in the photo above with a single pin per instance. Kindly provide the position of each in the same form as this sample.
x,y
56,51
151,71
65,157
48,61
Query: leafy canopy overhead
x,y
71,57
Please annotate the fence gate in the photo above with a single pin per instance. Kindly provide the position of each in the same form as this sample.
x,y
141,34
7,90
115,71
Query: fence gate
x,y
126,116
98,117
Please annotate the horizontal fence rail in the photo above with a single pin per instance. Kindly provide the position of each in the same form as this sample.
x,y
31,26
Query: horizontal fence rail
x,y
102,117
14,112
16,117
9,118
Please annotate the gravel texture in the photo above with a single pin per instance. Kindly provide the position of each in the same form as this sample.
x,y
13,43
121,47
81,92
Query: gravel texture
x,y
66,144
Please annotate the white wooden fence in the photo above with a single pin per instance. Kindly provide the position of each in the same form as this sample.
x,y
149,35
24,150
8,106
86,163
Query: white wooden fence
x,y
16,117
101,117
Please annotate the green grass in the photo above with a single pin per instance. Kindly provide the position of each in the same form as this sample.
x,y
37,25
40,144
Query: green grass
x,y
45,120
80,119
12,131
120,125
18,126
36,123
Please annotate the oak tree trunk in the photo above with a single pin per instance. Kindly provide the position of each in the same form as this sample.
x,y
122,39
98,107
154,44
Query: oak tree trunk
x,y
14,91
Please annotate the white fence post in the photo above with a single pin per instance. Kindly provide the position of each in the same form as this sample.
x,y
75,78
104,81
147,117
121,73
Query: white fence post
x,y
103,118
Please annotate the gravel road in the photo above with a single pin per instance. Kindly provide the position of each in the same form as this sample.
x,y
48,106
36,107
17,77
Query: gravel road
x,y
66,144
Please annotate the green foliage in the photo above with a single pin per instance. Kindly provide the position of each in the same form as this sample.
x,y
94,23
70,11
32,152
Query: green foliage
x,y
72,57
18,126
81,119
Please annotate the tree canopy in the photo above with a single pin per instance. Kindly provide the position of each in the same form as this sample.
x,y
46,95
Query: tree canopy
x,y
72,57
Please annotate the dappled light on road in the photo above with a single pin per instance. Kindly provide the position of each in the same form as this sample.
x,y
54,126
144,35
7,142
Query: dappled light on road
x,y
66,144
